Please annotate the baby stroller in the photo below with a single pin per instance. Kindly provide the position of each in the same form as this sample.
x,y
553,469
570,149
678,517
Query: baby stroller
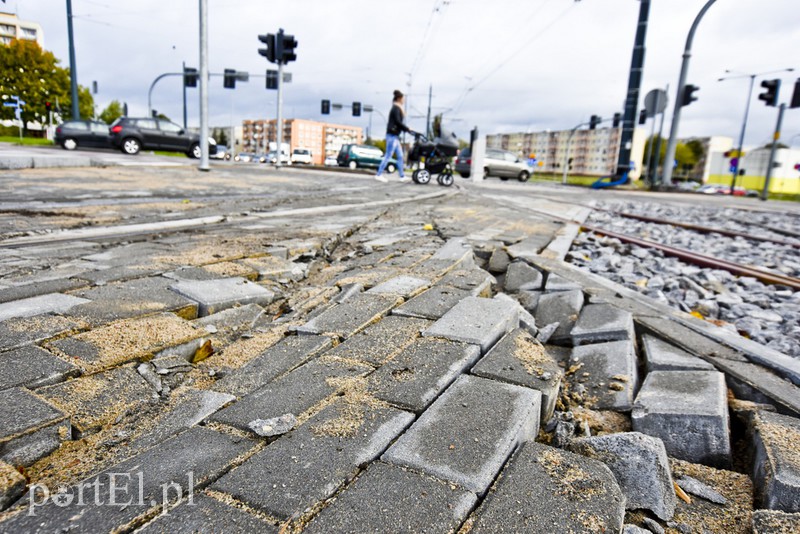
x,y
437,154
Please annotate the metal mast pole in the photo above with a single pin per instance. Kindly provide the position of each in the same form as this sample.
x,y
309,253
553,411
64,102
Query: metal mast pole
x,y
775,138
735,170
183,83
279,122
73,69
204,85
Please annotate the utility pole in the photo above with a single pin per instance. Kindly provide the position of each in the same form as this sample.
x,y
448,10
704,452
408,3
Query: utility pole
x,y
183,83
204,85
73,69
771,163
428,119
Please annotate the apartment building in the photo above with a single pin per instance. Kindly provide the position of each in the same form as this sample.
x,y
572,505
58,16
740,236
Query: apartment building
x,y
12,27
321,138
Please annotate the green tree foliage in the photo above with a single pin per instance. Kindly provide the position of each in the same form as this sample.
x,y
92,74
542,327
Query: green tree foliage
x,y
112,112
697,148
687,158
220,136
33,74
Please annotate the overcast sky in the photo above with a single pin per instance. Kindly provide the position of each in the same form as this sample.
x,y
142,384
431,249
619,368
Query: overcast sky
x,y
501,65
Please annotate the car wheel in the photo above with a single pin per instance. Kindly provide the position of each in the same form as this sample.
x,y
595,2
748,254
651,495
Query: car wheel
x,y
195,151
353,165
390,168
485,172
504,178
523,176
69,144
131,146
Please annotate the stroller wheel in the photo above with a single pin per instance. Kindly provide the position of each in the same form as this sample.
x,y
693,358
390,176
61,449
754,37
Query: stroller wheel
x,y
446,179
423,176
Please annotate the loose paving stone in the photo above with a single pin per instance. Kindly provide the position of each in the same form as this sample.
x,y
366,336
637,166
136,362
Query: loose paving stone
x,y
287,354
557,282
531,246
347,292
97,399
29,290
294,393
33,367
123,300
640,466
544,489
229,325
350,317
521,276
608,371
633,529
273,427
30,428
476,320
12,485
499,261
433,303
775,522
519,359
455,251
662,356
401,286
416,376
124,495
477,281
309,464
466,436
598,323
688,410
526,320
776,461
561,307
217,295
189,409
695,487
16,333
387,498
367,277
39,305
126,340
206,514
382,341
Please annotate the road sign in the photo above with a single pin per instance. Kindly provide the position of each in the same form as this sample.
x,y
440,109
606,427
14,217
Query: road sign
x,y
655,102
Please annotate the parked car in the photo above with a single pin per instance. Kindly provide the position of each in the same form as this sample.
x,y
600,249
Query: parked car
x,y
464,162
722,189
222,153
363,156
330,161
709,189
301,156
272,157
73,134
245,157
500,163
131,134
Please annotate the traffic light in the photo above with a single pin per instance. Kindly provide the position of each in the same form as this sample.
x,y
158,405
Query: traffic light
x,y
688,94
594,121
48,107
229,79
326,107
770,96
617,119
272,79
356,109
190,77
643,116
269,51
286,46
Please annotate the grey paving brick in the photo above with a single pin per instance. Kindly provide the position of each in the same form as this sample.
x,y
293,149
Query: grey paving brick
x,y
609,373
382,341
598,323
526,320
674,404
416,376
96,399
531,246
433,303
232,320
776,462
466,436
206,514
401,286
294,393
521,276
310,463
33,367
556,282
775,522
12,485
476,320
561,307
275,268
350,317
387,498
19,332
223,293
42,287
544,489
134,490
28,307
499,261
287,354
30,428
477,281
519,359
662,356
456,250
639,463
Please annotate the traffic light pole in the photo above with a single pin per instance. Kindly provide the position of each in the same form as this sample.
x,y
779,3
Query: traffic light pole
x,y
73,69
765,192
279,121
735,169
204,166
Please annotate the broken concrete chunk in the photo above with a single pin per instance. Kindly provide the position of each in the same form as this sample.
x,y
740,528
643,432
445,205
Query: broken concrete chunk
x,y
776,463
561,307
274,426
700,489
521,276
599,323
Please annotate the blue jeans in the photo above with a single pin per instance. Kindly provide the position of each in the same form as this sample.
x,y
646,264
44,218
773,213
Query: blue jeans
x,y
392,147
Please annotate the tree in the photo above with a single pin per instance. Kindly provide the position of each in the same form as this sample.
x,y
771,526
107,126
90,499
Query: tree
x,y
112,112
697,148
220,136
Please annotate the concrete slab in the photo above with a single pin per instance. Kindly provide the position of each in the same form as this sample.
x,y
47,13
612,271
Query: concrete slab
x,y
12,485
519,359
206,514
39,305
134,490
640,466
217,295
609,373
382,341
30,428
521,276
287,354
33,367
390,498
561,307
350,317
674,404
544,489
309,464
776,462
599,323
416,376
433,303
467,435
15,333
401,286
662,356
476,320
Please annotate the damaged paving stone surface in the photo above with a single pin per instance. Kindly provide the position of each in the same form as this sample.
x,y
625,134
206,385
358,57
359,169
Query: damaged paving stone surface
x,y
411,360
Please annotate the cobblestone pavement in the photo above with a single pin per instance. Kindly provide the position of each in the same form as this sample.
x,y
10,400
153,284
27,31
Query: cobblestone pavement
x,y
300,351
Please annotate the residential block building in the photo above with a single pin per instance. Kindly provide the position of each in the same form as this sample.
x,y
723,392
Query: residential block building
x,y
321,138
12,27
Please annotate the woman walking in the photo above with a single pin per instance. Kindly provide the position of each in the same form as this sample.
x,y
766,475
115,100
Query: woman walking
x,y
393,129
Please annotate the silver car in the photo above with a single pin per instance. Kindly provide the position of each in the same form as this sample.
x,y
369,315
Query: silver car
x,y
498,163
